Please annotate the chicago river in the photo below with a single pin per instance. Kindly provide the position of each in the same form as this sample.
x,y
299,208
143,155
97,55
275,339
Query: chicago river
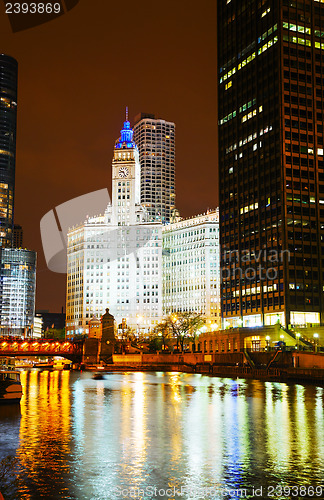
x,y
161,435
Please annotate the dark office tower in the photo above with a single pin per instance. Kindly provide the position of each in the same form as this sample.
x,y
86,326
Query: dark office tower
x,y
271,157
8,114
155,139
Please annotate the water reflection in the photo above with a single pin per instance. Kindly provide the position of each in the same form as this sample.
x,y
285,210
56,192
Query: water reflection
x,y
44,432
81,438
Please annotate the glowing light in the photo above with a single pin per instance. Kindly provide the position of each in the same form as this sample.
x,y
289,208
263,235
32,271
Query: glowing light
x,y
126,137
174,318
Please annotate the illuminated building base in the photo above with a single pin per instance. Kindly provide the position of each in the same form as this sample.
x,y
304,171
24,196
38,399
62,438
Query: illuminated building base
x,y
297,318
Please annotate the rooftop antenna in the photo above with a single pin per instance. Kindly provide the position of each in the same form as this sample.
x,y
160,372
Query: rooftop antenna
x,y
127,113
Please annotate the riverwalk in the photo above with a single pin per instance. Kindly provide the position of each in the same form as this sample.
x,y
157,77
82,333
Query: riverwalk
x,y
279,365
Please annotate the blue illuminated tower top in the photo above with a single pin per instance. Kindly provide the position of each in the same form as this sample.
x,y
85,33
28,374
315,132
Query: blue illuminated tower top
x,y
126,136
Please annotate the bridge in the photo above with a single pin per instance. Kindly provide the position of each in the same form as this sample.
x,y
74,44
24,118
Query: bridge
x,y
42,347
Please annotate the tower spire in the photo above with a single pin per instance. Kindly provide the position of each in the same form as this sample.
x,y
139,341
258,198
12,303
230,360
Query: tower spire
x,y
126,135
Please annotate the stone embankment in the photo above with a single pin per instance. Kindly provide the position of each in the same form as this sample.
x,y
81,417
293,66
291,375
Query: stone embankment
x,y
278,365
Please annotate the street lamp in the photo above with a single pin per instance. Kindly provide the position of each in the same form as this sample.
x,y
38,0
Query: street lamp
x,y
297,337
268,342
316,341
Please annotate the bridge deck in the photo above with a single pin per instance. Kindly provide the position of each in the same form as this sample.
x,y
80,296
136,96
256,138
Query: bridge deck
x,y
40,348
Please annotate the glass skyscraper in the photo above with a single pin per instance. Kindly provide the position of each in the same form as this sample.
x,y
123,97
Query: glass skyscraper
x,y
155,139
17,291
271,160
8,116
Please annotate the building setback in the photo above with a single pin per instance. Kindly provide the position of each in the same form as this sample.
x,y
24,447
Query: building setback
x,y
271,160
191,276
114,259
155,139
18,234
8,119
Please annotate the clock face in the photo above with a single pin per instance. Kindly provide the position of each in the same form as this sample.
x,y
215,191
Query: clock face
x,y
123,172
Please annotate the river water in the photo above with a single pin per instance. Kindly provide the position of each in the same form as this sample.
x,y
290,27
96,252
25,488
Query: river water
x,y
161,435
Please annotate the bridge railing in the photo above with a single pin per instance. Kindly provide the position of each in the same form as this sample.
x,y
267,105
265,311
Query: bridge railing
x,y
39,347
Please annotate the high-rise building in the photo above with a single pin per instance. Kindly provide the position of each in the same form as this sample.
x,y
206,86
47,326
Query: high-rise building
x,y
155,139
191,275
8,118
17,266
114,260
271,160
17,291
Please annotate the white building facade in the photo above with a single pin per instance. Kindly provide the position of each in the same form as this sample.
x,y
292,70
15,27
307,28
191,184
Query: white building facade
x,y
38,327
191,267
114,260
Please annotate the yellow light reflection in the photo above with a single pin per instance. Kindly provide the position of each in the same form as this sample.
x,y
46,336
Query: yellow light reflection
x,y
301,424
133,426
173,415
174,383
243,422
45,421
278,425
139,417
319,423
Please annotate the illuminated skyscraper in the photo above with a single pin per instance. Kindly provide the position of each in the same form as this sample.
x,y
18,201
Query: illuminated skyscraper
x,y
115,259
271,158
17,291
8,116
155,139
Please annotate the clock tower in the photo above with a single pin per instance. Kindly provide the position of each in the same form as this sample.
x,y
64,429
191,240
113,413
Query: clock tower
x,y
118,261
125,178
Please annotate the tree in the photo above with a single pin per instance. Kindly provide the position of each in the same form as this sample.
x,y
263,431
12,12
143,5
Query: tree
x,y
184,325
55,333
164,332
155,344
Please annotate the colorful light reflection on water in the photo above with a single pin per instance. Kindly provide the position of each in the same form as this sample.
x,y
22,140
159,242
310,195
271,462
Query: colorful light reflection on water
x,y
79,438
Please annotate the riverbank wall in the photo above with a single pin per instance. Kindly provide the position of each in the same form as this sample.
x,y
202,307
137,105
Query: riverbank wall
x,y
293,366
